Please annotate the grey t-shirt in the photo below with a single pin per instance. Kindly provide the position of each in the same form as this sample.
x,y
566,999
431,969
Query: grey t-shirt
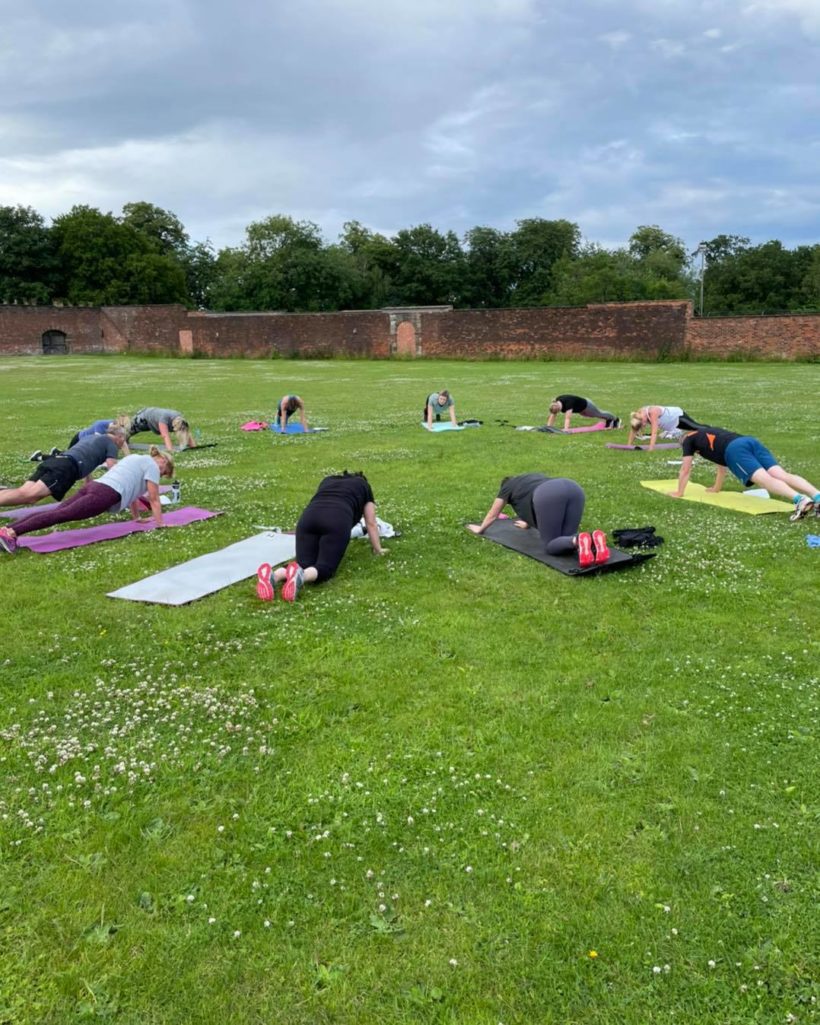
x,y
129,477
153,416
432,400
517,492
91,452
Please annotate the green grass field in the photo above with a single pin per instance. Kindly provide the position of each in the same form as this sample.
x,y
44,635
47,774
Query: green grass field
x,y
451,785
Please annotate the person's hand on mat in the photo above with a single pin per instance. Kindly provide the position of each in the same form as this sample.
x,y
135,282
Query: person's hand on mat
x,y
382,551
474,527
522,524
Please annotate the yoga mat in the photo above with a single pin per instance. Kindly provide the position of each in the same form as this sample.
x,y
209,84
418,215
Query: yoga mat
x,y
140,447
643,448
600,426
528,542
723,499
58,540
441,427
541,430
296,429
209,573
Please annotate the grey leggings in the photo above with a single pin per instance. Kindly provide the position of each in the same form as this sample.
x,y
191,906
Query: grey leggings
x,y
558,505
599,414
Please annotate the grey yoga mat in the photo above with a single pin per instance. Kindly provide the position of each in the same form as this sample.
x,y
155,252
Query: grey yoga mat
x,y
528,542
208,573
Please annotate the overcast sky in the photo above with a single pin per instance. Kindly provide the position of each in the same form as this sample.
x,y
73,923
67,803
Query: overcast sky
x,y
702,116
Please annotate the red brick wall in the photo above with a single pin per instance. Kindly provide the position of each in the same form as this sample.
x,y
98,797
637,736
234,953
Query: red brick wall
x,y
22,329
628,330
261,335
147,329
617,330
788,337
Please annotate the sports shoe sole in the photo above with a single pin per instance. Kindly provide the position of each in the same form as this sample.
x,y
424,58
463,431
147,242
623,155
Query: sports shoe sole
x,y
602,552
290,588
264,584
802,509
585,554
8,544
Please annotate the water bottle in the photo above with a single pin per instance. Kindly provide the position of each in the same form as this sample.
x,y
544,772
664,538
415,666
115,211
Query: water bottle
x,y
175,491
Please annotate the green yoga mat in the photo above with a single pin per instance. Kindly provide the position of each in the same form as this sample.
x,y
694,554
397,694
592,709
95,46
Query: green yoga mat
x,y
724,499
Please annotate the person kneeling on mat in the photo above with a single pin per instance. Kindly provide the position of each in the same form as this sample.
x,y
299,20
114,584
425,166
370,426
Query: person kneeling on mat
x,y
323,534
436,404
56,475
569,404
751,462
671,421
553,506
288,405
121,488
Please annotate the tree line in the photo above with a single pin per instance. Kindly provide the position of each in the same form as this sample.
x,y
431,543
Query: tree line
x,y
86,257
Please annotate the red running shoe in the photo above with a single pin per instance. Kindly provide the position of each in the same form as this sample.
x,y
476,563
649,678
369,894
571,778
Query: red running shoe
x,y
586,556
602,552
264,583
294,578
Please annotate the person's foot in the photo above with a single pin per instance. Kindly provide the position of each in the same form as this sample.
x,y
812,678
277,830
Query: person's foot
x,y
294,578
8,540
264,583
586,556
802,508
35,456
54,452
602,551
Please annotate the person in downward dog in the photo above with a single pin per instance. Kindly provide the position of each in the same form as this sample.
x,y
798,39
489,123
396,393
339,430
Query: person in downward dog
x,y
553,506
322,535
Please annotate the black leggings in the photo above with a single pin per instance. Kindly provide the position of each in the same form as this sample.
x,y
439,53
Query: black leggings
x,y
322,537
558,505
686,423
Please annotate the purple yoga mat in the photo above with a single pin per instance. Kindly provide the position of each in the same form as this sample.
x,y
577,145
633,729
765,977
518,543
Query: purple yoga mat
x,y
644,448
60,539
600,426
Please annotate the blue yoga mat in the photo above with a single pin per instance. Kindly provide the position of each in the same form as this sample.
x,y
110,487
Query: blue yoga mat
x,y
296,429
442,427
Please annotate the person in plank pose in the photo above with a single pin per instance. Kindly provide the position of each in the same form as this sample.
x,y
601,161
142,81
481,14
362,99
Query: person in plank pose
x,y
322,535
122,487
163,422
437,403
553,506
670,421
569,404
751,462
288,405
56,475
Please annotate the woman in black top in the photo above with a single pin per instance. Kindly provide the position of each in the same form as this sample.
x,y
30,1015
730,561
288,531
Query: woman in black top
x,y
554,506
323,534
569,404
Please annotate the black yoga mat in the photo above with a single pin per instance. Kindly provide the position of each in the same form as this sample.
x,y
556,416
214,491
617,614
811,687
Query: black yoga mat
x,y
528,542
142,447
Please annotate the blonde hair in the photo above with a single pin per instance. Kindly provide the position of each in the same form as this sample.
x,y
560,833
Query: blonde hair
x,y
120,437
124,421
154,451
182,430
636,420
556,407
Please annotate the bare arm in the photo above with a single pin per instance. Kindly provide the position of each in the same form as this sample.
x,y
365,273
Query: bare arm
x,y
492,515
373,529
720,477
551,419
302,414
166,437
653,422
567,419
279,418
683,478
152,490
429,417
453,420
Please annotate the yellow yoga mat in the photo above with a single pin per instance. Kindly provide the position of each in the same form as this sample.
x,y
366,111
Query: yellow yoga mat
x,y
724,499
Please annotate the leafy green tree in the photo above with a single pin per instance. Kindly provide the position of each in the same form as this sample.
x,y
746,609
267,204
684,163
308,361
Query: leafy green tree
x,y
161,227
105,262
767,278
28,263
489,268
536,246
600,276
375,261
429,269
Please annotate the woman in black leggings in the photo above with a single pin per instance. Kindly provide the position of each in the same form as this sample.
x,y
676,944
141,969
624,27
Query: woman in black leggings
x,y
323,534
553,506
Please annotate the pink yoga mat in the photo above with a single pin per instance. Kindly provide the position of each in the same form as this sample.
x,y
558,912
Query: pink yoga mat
x,y
644,448
61,539
600,426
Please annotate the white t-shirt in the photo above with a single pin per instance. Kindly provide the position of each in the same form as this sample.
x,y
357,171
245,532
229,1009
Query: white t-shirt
x,y
129,477
668,417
